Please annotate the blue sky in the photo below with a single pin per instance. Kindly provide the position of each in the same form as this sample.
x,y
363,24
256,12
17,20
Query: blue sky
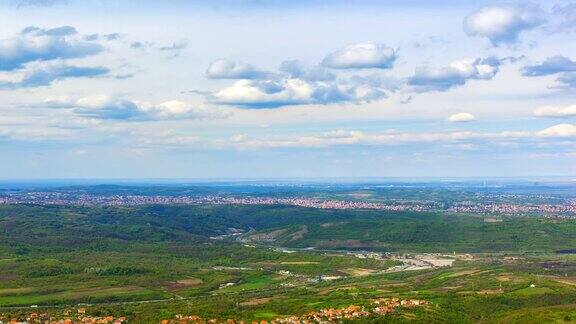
x,y
257,89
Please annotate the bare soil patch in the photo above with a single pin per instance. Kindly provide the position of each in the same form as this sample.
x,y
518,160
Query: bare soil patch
x,y
181,284
256,301
358,272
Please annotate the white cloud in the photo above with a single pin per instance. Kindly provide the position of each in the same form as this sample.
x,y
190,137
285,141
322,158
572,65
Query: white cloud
x,y
44,74
270,93
225,69
354,137
293,91
503,24
36,44
362,56
560,130
552,65
556,111
555,65
112,108
295,84
456,74
461,117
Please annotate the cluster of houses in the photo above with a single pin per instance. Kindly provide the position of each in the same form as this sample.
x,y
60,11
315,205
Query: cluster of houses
x,y
388,305
329,315
68,318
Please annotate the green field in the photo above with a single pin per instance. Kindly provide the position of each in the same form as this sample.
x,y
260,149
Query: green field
x,y
154,262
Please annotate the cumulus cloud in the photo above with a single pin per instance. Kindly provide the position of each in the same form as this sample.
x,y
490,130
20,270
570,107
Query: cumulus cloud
x,y
552,65
271,93
294,84
35,44
456,74
461,117
226,69
112,108
293,91
503,24
561,130
556,111
362,56
46,75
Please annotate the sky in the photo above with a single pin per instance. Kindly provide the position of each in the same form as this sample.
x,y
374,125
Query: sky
x,y
286,89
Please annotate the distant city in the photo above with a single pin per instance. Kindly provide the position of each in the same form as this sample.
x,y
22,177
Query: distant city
x,y
565,208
